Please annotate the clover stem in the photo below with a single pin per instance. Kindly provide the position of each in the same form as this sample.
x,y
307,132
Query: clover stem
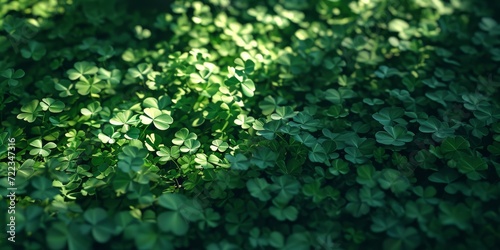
x,y
144,131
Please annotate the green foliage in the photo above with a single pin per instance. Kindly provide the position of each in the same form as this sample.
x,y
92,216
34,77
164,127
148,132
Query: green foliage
x,y
265,124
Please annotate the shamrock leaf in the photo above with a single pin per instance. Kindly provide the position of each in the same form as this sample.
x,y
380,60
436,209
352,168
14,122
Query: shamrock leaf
x,y
470,165
396,136
82,69
40,149
160,119
283,113
124,119
244,121
35,51
219,145
173,222
113,77
190,146
264,157
168,154
454,144
287,186
182,136
339,167
386,72
367,175
259,188
389,116
102,229
13,76
355,205
283,213
52,105
455,214
339,96
393,179
108,135
43,188
131,158
91,109
238,162
30,111
91,86
140,71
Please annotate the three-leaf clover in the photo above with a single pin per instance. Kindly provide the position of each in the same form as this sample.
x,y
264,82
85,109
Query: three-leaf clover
x,y
396,136
30,111
264,157
131,158
82,69
124,119
34,50
40,149
190,146
13,76
182,136
238,162
160,119
54,106
219,145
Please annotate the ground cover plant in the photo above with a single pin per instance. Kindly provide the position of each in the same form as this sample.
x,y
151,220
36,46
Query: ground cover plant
x,y
265,124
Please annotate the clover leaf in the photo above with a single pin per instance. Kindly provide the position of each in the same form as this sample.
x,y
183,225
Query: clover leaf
x,y
131,158
269,104
91,109
112,77
219,145
54,106
455,214
389,116
386,72
394,180
248,87
283,113
283,213
168,154
108,135
13,76
244,121
259,188
159,119
102,229
339,167
124,119
454,144
40,149
140,71
35,51
263,158
173,222
182,136
287,187
91,85
81,70
355,205
339,96
43,188
190,146
471,165
396,136
238,162
30,111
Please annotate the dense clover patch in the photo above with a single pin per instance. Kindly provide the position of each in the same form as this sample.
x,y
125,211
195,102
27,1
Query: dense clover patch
x,y
266,124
